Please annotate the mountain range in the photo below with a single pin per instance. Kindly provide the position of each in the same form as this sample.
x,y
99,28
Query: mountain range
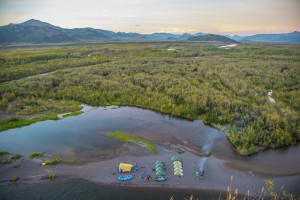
x,y
293,37
35,31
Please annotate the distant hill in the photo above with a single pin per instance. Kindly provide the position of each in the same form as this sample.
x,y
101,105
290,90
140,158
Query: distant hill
x,y
212,37
35,31
293,37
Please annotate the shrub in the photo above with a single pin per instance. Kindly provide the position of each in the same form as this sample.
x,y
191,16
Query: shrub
x,y
3,153
14,179
5,161
52,177
53,161
36,155
15,156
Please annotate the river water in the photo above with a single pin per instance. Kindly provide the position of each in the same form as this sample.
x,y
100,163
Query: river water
x,y
84,136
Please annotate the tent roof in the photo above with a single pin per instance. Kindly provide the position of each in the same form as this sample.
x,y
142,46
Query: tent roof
x,y
159,165
160,173
177,162
178,166
177,174
175,158
159,162
160,170
125,167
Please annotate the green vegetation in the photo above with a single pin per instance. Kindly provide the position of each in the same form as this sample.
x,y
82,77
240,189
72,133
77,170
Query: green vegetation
x,y
3,153
72,114
15,122
125,137
15,156
36,155
41,107
52,177
6,161
16,165
224,87
14,179
53,161
265,193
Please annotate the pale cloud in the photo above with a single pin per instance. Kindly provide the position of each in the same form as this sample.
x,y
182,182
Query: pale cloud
x,y
177,16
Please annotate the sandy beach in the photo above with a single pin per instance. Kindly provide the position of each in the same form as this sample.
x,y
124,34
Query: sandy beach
x,y
105,171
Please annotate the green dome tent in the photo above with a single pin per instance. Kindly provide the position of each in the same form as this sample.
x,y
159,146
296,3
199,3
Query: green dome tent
x,y
160,169
175,158
159,165
159,162
160,173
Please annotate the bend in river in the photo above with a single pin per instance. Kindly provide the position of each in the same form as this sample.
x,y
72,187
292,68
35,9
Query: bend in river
x,y
83,136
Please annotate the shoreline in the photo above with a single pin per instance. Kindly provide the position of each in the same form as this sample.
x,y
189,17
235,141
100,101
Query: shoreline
x,y
100,171
26,120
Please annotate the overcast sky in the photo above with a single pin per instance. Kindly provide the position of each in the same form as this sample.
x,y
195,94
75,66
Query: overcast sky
x,y
244,17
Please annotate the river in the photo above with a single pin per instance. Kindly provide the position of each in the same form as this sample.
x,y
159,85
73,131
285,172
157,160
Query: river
x,y
83,136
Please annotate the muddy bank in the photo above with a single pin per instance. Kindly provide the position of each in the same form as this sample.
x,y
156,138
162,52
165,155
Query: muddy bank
x,y
105,172
80,189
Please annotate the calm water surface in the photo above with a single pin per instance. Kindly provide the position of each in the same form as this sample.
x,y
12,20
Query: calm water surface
x,y
84,136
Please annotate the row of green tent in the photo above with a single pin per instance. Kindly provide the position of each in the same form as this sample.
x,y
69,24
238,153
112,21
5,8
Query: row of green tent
x,y
160,168
177,166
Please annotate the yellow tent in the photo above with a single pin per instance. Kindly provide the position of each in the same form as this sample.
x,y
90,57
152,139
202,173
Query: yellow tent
x,y
125,167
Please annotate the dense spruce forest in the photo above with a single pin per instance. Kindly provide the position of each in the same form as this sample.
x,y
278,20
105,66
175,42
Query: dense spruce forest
x,y
226,88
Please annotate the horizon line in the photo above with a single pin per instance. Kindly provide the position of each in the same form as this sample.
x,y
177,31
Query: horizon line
x,y
162,32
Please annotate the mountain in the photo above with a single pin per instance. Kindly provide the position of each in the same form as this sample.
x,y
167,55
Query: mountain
x,y
85,34
293,37
199,34
35,31
185,36
235,37
212,37
34,22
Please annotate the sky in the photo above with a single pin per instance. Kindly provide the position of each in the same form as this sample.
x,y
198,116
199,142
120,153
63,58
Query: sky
x,y
242,17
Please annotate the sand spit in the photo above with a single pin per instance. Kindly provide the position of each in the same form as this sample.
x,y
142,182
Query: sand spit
x,y
105,171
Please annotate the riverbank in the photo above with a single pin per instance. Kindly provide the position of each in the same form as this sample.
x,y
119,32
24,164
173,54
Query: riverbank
x,y
104,171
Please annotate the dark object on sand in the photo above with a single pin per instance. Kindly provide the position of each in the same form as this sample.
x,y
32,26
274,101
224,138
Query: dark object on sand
x,y
136,166
126,178
202,173
144,174
160,178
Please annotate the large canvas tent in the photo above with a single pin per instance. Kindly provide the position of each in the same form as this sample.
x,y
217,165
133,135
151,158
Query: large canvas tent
x,y
125,167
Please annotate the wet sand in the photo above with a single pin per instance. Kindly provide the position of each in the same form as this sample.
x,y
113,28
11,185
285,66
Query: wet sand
x,y
100,171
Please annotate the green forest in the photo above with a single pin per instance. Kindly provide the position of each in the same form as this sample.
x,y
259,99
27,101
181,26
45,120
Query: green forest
x,y
226,88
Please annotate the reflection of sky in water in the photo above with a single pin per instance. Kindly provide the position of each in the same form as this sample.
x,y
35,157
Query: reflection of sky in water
x,y
84,133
